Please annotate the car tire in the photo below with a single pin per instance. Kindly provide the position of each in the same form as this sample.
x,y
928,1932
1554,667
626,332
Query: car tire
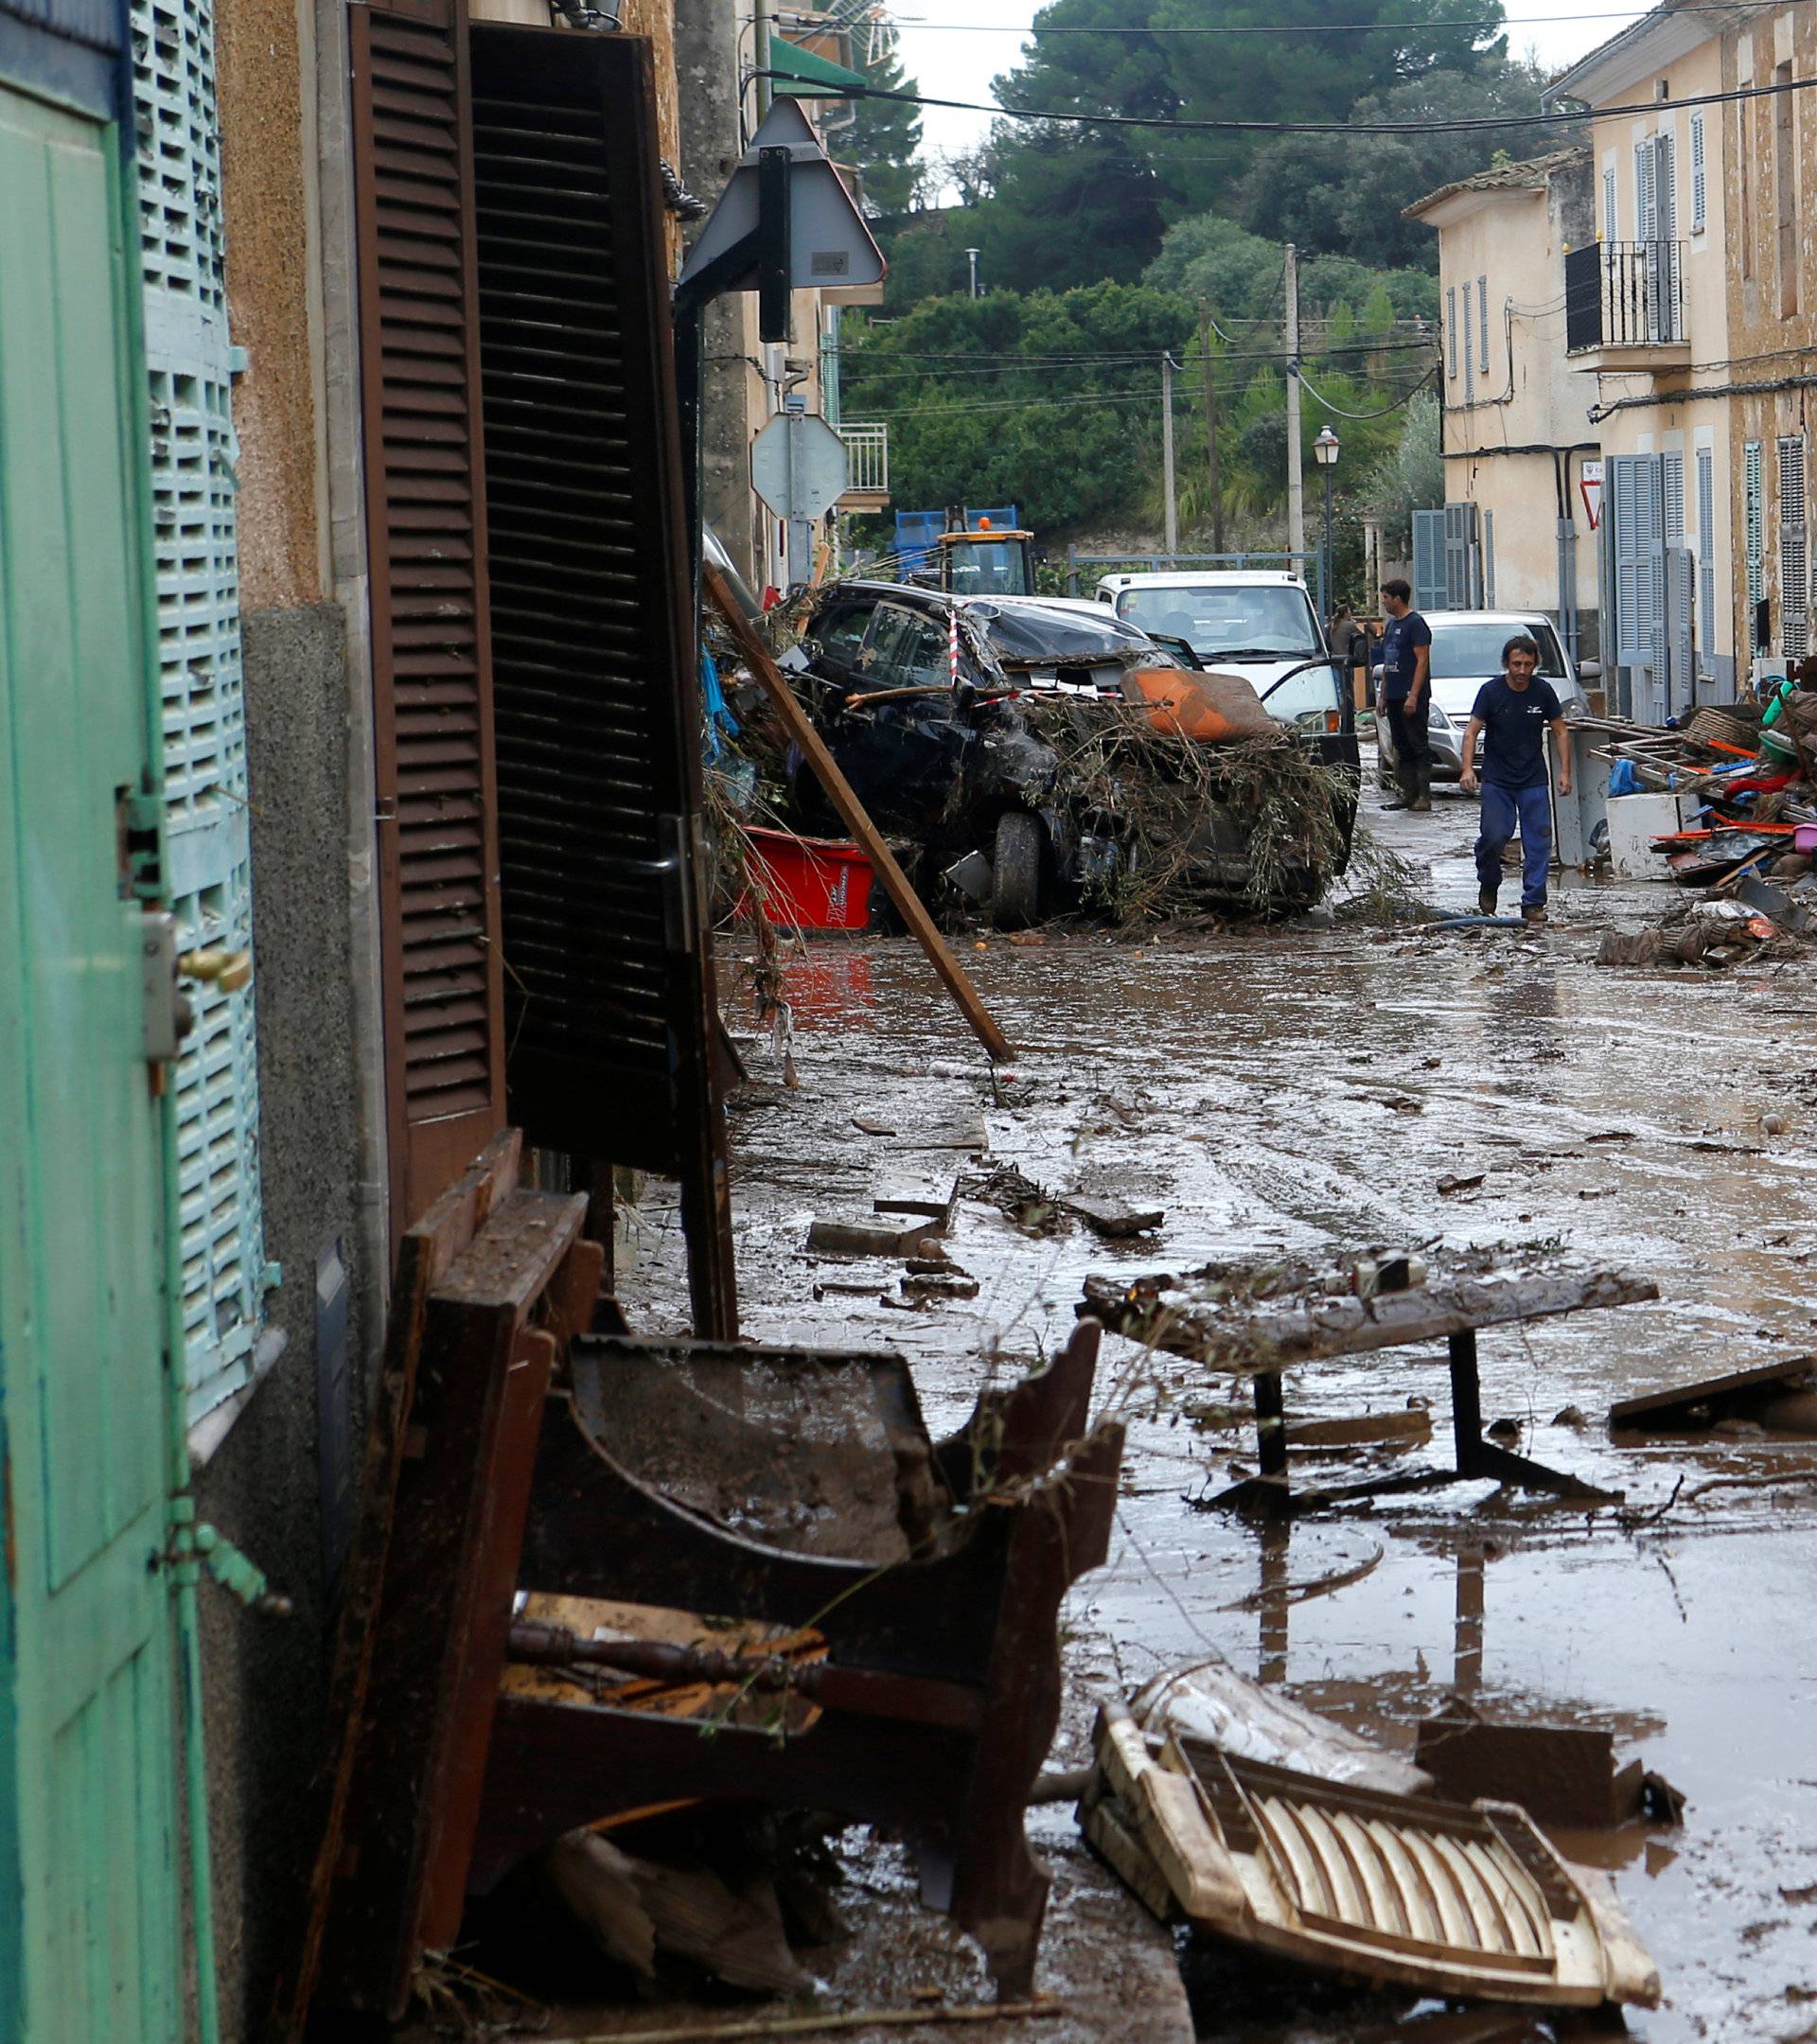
x,y
1015,868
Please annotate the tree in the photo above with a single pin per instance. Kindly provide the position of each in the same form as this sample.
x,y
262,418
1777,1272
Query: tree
x,y
1411,478
1314,73
883,142
1345,195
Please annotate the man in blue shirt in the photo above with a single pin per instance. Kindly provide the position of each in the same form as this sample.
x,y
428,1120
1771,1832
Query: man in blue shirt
x,y
1513,713
1407,674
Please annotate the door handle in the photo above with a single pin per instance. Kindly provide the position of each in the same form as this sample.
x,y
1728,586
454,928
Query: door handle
x,y
228,970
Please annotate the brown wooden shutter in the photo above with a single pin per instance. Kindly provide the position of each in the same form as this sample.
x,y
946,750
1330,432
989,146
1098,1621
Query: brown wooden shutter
x,y
426,522
609,988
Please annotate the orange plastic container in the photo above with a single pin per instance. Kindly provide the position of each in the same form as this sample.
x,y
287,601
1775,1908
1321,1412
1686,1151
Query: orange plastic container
x,y
811,883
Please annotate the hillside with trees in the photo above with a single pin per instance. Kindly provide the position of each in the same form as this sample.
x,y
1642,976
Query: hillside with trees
x,y
1098,244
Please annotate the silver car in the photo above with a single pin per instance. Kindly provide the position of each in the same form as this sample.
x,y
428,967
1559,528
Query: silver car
x,y
1465,652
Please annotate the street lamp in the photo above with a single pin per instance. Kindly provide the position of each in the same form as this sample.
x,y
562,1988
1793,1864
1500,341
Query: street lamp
x,y
1325,455
972,254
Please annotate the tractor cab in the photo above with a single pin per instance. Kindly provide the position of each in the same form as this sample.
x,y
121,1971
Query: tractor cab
x,y
986,561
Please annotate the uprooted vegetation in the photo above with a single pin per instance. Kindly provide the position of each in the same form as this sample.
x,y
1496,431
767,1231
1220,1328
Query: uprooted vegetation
x,y
1261,820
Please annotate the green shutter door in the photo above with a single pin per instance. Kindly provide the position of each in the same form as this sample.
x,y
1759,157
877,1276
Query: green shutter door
x,y
89,1904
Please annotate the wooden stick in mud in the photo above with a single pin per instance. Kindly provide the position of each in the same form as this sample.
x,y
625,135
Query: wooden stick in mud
x,y
852,811
785,2026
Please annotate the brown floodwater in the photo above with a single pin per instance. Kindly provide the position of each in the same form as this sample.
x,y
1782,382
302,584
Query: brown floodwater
x,y
1304,1089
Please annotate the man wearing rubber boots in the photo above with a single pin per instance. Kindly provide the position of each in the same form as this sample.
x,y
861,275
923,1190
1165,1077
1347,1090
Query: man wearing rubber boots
x,y
1513,714
1406,680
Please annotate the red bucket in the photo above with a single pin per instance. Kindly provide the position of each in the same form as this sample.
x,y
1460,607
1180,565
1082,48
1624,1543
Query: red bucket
x,y
811,883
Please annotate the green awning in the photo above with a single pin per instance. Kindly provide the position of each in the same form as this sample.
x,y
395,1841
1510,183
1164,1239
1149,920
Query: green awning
x,y
808,76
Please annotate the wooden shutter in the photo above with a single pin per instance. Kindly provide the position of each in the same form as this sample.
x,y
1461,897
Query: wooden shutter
x,y
426,523
609,989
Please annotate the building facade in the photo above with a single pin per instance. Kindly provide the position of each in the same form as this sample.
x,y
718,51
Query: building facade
x,y
1516,532
1647,317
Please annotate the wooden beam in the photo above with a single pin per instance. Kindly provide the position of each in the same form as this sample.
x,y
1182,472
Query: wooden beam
x,y
909,903
1163,1313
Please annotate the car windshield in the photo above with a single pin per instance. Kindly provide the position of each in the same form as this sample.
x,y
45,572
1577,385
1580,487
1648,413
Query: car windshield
x,y
1258,620
1463,652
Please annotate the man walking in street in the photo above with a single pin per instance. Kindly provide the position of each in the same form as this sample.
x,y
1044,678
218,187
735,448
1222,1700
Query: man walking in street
x,y
1514,713
1407,675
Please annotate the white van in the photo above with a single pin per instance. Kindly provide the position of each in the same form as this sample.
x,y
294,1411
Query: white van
x,y
1255,622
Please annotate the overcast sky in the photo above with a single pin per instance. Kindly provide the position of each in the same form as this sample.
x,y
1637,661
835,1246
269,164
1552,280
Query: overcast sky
x,y
959,63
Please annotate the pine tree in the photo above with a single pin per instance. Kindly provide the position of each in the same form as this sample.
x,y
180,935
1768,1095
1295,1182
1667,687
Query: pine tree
x,y
884,143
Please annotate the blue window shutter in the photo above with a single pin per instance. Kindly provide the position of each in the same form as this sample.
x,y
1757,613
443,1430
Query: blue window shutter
x,y
1429,591
1708,636
193,454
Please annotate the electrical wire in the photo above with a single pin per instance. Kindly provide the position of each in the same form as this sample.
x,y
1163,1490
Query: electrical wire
x,y
1382,412
1479,124
1485,24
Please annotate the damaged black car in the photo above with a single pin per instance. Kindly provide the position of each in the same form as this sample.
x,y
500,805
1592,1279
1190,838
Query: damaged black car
x,y
1045,756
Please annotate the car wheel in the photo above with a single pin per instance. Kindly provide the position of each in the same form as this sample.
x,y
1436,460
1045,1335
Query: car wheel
x,y
1015,869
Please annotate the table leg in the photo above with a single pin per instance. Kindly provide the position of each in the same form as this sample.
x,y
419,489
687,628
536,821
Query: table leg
x,y
1466,1404
1271,1425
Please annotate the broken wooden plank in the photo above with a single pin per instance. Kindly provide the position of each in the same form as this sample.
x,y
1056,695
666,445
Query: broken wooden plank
x,y
1162,1313
1729,1393
1112,1220
868,1238
908,903
1562,1774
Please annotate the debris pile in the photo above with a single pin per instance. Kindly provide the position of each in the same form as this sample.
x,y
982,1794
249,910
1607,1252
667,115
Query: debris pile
x,y
1260,821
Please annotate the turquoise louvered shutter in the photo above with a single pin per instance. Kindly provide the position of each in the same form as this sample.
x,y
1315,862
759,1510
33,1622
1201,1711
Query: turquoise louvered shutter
x,y
193,452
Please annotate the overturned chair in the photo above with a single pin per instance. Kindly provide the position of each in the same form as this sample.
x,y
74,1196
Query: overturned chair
x,y
919,1586
683,1573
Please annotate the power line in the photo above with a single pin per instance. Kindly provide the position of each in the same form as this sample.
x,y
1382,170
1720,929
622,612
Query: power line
x,y
1148,393
1226,28
1382,412
1480,124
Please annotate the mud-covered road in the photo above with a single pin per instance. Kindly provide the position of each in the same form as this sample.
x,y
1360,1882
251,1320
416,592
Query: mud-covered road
x,y
1306,1089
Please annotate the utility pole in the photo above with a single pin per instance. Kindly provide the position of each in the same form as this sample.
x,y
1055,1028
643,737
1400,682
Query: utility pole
x,y
761,10
1167,456
1295,495
1211,427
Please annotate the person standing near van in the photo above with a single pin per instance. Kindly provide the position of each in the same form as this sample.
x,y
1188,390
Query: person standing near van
x,y
1406,680
1514,713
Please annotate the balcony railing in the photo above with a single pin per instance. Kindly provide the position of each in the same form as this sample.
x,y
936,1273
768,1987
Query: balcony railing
x,y
1623,294
867,453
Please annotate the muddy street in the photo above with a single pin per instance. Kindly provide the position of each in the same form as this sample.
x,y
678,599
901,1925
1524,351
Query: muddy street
x,y
1305,1089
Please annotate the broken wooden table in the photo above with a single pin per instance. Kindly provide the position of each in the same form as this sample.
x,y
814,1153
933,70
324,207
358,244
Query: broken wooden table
x,y
1261,1341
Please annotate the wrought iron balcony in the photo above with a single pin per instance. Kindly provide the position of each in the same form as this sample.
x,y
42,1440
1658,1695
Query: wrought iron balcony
x,y
867,450
1627,296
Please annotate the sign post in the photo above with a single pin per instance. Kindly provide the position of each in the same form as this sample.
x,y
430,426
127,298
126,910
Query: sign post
x,y
799,468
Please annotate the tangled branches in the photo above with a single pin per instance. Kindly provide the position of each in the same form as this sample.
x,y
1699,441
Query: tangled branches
x,y
1260,822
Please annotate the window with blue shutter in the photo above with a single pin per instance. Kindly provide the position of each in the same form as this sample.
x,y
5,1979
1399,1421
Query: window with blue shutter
x,y
1469,366
193,454
1450,332
1753,522
1482,319
1794,557
1699,177
1611,217
1706,628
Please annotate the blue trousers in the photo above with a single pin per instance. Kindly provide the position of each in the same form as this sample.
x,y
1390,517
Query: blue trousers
x,y
1530,808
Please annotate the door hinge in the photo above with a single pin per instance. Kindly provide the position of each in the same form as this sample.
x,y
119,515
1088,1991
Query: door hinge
x,y
195,1548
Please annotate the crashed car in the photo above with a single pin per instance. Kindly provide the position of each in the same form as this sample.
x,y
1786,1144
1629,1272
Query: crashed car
x,y
952,718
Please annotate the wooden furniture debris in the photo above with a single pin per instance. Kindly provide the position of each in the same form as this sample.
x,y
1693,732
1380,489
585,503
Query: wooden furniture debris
x,y
490,1283
1319,1324
1778,1395
675,1479
1560,1774
769,677
1455,1899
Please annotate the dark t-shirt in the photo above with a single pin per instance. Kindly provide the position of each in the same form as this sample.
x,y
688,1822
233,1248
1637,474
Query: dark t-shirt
x,y
1402,639
1515,722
